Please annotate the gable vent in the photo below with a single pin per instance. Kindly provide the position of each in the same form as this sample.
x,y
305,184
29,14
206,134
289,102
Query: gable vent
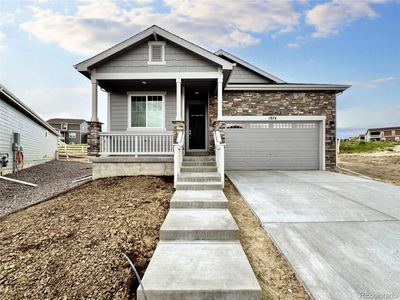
x,y
156,53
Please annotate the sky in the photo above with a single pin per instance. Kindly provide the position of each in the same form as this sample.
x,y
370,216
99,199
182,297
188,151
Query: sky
x,y
353,42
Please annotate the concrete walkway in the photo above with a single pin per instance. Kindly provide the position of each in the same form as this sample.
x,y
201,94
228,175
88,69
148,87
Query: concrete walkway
x,y
199,255
341,234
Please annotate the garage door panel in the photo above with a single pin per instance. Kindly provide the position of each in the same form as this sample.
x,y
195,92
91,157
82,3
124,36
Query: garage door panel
x,y
266,147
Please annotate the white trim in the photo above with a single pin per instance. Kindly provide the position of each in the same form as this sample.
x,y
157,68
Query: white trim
x,y
322,154
286,87
178,116
85,65
157,75
146,94
273,118
162,44
109,111
219,99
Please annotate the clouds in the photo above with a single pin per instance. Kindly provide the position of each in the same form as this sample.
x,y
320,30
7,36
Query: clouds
x,y
374,83
96,25
328,18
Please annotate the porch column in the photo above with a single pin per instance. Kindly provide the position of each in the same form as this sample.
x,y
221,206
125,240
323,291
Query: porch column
x,y
219,99
94,101
178,100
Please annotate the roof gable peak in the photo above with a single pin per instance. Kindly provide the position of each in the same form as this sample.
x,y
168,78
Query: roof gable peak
x,y
85,66
223,53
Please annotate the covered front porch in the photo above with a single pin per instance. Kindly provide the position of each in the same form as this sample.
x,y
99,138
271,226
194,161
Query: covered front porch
x,y
154,123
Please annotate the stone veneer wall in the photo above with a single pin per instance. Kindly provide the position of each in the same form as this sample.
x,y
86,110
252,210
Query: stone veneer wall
x,y
249,103
93,138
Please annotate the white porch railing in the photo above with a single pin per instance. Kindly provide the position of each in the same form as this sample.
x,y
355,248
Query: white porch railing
x,y
131,143
178,155
220,155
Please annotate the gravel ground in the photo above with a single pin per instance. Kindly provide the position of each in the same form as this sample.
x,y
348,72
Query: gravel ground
x,y
52,178
275,276
70,247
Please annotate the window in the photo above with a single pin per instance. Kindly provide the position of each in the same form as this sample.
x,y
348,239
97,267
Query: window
x,y
46,134
72,135
282,125
146,111
64,126
156,53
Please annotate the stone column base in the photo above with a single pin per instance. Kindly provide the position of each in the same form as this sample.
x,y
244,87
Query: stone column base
x,y
93,138
179,126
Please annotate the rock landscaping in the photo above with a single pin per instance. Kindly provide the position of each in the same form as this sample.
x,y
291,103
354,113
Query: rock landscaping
x,y
52,178
70,247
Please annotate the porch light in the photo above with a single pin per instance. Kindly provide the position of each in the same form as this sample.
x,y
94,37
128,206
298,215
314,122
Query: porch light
x,y
196,93
144,82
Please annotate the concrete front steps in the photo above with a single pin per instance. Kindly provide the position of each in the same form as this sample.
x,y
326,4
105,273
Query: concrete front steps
x,y
199,255
199,199
199,270
199,224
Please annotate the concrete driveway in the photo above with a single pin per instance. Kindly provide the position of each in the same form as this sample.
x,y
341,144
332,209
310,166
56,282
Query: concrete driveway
x,y
341,234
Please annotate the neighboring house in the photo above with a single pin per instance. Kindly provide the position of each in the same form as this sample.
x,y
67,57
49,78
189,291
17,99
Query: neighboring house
x,y
72,131
389,134
361,137
21,129
159,84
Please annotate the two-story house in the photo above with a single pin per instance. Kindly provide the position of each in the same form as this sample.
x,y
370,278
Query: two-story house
x,y
72,131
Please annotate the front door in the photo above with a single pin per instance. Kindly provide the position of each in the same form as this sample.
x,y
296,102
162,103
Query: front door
x,y
197,126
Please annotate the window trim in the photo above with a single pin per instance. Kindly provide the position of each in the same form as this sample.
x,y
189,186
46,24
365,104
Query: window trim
x,y
69,135
146,94
162,62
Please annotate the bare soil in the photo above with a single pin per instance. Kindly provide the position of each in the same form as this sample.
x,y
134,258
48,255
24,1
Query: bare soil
x,y
276,278
382,165
70,247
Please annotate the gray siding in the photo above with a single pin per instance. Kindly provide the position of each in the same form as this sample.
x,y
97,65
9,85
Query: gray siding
x,y
177,60
37,147
243,75
119,108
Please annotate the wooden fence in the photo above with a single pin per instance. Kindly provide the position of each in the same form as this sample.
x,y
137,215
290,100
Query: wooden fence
x,y
72,152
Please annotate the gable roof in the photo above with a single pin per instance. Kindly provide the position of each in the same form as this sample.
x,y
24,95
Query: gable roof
x,y
84,66
65,120
249,66
22,107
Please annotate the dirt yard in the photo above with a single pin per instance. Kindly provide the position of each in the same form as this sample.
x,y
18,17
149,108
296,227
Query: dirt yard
x,y
70,247
276,278
382,165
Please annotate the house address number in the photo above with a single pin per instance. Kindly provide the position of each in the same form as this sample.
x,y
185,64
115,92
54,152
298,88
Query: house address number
x,y
272,118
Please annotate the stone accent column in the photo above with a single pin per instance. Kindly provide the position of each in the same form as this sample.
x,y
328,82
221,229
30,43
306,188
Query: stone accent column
x,y
179,126
93,138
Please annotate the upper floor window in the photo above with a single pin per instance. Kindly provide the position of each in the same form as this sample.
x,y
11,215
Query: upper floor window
x,y
64,126
156,53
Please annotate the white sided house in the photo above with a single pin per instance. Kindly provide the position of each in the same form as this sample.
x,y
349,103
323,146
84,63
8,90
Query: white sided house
x,y
169,98
23,133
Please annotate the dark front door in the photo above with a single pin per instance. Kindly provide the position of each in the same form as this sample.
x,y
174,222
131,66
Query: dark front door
x,y
197,126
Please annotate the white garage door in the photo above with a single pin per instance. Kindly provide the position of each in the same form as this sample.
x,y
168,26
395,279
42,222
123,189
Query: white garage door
x,y
272,146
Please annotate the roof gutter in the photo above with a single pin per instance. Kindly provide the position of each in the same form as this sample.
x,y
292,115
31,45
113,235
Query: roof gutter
x,y
23,107
287,87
